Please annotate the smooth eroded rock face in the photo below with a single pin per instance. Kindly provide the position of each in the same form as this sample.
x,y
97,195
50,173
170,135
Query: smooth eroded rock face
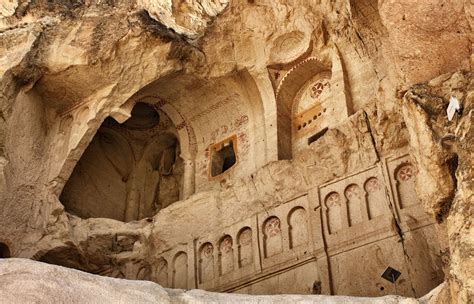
x,y
19,284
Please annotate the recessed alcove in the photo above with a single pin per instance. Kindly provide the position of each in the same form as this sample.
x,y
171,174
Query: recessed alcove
x,y
311,95
129,171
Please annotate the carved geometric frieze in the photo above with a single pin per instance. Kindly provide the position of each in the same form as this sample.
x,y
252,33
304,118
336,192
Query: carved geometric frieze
x,y
228,256
285,233
355,209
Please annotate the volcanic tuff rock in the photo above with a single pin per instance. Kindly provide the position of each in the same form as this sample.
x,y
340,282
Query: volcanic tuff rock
x,y
309,96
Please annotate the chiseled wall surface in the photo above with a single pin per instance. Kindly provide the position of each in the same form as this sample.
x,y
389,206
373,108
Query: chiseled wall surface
x,y
337,238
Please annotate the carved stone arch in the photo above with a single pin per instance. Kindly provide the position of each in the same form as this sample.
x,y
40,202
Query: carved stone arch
x,y
296,77
375,197
206,263
138,117
298,227
180,270
245,246
286,92
84,129
272,236
334,212
355,204
404,175
75,150
226,254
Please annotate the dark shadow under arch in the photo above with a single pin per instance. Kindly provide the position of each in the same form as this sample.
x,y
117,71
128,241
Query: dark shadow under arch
x,y
4,251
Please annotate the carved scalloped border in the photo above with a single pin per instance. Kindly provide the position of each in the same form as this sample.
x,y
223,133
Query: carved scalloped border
x,y
290,71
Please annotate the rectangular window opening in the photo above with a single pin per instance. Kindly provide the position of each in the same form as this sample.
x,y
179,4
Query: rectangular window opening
x,y
223,159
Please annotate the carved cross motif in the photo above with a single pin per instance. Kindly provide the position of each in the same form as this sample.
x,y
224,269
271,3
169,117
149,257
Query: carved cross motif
x,y
207,250
352,192
318,87
272,227
226,244
332,200
405,173
372,185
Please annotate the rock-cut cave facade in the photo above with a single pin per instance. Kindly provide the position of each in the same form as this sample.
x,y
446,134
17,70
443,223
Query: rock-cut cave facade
x,y
195,150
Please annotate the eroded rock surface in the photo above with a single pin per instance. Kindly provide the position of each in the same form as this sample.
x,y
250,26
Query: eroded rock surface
x,y
20,284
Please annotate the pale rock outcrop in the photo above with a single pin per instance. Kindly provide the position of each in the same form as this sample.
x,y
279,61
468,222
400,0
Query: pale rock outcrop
x,y
186,18
441,149
20,284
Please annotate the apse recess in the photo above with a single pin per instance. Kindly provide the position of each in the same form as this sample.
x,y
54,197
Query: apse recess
x,y
129,171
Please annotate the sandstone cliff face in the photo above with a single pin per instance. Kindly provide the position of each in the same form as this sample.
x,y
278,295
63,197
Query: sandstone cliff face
x,y
218,69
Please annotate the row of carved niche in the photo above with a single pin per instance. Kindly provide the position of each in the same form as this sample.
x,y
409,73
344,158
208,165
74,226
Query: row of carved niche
x,y
272,232
361,205
272,242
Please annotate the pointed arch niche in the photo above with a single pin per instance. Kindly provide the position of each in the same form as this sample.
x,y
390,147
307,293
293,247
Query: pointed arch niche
x,y
129,171
310,96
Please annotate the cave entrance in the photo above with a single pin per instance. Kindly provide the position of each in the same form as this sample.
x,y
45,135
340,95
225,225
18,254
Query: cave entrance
x,y
129,171
4,251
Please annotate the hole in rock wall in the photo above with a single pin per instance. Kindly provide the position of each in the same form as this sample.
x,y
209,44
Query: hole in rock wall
x,y
129,171
317,136
4,251
223,157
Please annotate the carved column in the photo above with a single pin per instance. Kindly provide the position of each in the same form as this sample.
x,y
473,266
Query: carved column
x,y
188,185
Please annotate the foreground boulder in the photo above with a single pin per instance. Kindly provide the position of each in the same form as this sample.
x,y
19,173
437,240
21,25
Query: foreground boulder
x,y
26,281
